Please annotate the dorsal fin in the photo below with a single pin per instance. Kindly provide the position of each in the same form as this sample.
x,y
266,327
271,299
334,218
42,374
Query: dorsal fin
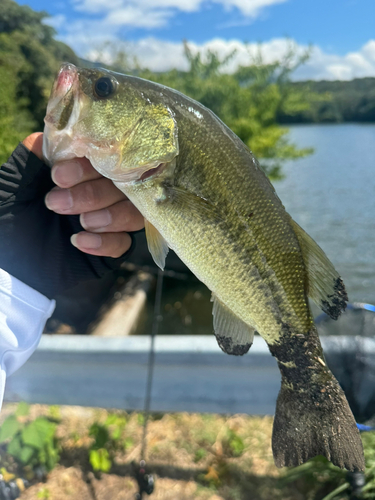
x,y
326,288
156,244
232,334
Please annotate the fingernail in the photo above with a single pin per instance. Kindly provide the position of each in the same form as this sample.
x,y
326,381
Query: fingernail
x,y
59,200
86,240
96,220
67,173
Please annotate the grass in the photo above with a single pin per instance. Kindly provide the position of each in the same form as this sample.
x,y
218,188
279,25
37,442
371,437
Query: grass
x,y
203,457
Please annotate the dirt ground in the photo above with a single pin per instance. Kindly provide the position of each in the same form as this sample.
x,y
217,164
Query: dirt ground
x,y
191,456
67,483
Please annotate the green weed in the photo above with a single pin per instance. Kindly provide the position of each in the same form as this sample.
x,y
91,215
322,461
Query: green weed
x,y
233,444
200,454
108,439
30,443
44,493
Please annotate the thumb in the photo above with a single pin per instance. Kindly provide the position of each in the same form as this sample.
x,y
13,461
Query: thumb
x,y
25,177
34,143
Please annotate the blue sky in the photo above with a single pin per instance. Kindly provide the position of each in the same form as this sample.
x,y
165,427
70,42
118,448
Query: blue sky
x,y
342,32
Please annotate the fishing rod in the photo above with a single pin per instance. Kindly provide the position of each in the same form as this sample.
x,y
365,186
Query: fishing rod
x,y
146,481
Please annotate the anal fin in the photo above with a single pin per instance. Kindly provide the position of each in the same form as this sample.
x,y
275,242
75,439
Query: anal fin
x,y
157,245
232,334
326,288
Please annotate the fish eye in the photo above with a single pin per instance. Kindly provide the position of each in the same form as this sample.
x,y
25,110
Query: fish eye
x,y
104,87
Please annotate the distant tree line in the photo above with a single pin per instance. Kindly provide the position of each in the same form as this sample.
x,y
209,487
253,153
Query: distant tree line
x,y
342,101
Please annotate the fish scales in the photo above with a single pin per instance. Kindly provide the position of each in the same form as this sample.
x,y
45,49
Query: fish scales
x,y
239,254
203,194
232,180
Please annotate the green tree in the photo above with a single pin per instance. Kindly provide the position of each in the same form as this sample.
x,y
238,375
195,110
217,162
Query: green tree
x,y
29,59
15,121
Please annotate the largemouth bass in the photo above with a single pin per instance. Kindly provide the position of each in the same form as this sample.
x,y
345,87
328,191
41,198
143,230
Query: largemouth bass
x,y
203,194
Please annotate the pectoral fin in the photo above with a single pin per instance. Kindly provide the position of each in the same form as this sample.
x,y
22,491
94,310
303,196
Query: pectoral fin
x,y
157,245
193,204
326,288
232,334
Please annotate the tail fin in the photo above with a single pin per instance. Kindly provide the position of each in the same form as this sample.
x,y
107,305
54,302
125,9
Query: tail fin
x,y
320,422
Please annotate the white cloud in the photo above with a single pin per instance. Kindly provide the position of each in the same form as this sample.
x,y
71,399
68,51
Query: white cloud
x,y
136,17
156,13
250,8
323,66
88,38
55,21
183,5
97,6
160,55
368,50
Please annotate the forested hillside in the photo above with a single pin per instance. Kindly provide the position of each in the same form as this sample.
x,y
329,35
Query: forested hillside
x,y
344,101
29,59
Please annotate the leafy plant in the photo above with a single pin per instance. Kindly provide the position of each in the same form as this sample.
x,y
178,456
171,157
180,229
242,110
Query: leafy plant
x,y
200,454
100,459
54,412
368,439
318,478
44,493
30,443
108,438
233,444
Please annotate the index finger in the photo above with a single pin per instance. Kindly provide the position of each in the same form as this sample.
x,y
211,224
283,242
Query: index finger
x,y
68,173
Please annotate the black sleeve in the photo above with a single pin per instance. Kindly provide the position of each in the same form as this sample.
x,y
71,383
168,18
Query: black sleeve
x,y
34,241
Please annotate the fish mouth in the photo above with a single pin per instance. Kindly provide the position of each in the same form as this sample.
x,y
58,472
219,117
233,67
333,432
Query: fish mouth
x,y
64,110
60,105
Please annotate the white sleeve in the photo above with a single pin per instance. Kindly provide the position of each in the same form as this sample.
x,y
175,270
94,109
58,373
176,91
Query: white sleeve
x,y
23,314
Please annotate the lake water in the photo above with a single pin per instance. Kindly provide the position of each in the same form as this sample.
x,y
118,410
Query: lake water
x,y
331,194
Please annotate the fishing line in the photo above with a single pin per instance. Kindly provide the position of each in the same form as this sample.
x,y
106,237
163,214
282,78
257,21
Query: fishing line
x,y
146,481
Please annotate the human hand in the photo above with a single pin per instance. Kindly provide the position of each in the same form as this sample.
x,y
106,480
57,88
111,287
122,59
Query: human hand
x,y
35,242
105,212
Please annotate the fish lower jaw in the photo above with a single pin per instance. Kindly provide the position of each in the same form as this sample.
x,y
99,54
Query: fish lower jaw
x,y
59,145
